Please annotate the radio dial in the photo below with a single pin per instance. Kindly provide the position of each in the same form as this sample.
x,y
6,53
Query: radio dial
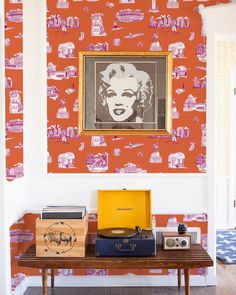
x,y
183,243
170,243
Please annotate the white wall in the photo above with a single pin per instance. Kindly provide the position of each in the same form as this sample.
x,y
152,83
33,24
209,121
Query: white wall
x,y
170,193
15,200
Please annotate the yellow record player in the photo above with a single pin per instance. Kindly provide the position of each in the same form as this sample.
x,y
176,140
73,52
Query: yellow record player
x,y
124,223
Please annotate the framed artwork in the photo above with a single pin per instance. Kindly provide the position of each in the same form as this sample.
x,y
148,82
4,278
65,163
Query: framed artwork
x,y
125,93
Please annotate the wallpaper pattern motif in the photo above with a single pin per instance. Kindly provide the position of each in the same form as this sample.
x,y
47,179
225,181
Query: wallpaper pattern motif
x,y
22,235
14,88
126,25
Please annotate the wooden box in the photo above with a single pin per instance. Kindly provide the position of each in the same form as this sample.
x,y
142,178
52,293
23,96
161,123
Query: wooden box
x,y
61,237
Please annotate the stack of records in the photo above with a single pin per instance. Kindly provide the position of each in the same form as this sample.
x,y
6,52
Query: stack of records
x,y
63,212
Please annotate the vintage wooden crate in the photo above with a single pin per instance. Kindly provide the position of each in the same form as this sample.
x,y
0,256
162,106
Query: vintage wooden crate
x,y
61,237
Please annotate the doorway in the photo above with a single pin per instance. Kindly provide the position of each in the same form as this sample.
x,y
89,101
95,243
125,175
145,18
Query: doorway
x,y
232,146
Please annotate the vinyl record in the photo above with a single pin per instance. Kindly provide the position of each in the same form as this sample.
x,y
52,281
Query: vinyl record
x,y
117,232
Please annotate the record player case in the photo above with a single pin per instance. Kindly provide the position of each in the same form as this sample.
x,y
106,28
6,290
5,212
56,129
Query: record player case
x,y
121,211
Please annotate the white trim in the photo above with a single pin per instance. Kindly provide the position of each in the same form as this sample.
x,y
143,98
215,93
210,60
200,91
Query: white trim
x,y
211,280
35,53
121,281
211,151
35,31
232,149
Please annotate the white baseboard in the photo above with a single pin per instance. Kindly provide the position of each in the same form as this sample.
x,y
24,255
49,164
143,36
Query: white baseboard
x,y
21,288
121,281
211,280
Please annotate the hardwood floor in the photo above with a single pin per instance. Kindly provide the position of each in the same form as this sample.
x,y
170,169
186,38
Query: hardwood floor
x,y
122,291
226,275
226,286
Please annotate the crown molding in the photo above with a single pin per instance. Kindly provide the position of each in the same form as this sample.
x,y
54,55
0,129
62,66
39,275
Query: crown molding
x,y
219,18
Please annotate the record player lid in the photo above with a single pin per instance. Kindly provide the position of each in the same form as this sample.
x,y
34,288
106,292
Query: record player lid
x,y
124,208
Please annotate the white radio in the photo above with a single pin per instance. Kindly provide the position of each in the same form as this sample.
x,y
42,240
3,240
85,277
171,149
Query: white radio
x,y
176,241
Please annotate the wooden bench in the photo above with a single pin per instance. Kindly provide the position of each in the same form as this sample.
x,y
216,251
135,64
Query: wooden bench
x,y
174,259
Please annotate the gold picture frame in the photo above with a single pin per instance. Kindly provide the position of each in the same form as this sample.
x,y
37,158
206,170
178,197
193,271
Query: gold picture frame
x,y
125,93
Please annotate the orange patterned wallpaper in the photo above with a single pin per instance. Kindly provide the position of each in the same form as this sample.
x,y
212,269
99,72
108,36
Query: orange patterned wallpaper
x,y
120,25
126,25
22,235
14,88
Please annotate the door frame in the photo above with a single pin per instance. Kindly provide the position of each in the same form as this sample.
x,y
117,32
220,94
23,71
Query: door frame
x,y
232,148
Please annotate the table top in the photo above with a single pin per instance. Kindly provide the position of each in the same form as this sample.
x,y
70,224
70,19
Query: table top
x,y
164,259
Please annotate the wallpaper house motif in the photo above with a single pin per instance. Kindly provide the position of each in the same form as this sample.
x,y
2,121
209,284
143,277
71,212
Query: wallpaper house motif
x,y
14,88
126,25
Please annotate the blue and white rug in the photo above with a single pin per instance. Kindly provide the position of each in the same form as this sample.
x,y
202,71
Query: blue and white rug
x,y
226,246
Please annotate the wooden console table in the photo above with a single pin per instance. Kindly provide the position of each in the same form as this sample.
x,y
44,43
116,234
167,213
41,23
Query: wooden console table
x,y
180,259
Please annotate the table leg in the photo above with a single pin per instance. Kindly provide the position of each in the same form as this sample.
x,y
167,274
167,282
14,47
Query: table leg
x,y
52,278
179,278
186,278
44,280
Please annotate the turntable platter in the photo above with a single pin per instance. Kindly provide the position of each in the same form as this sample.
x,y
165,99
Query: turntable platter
x,y
117,232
